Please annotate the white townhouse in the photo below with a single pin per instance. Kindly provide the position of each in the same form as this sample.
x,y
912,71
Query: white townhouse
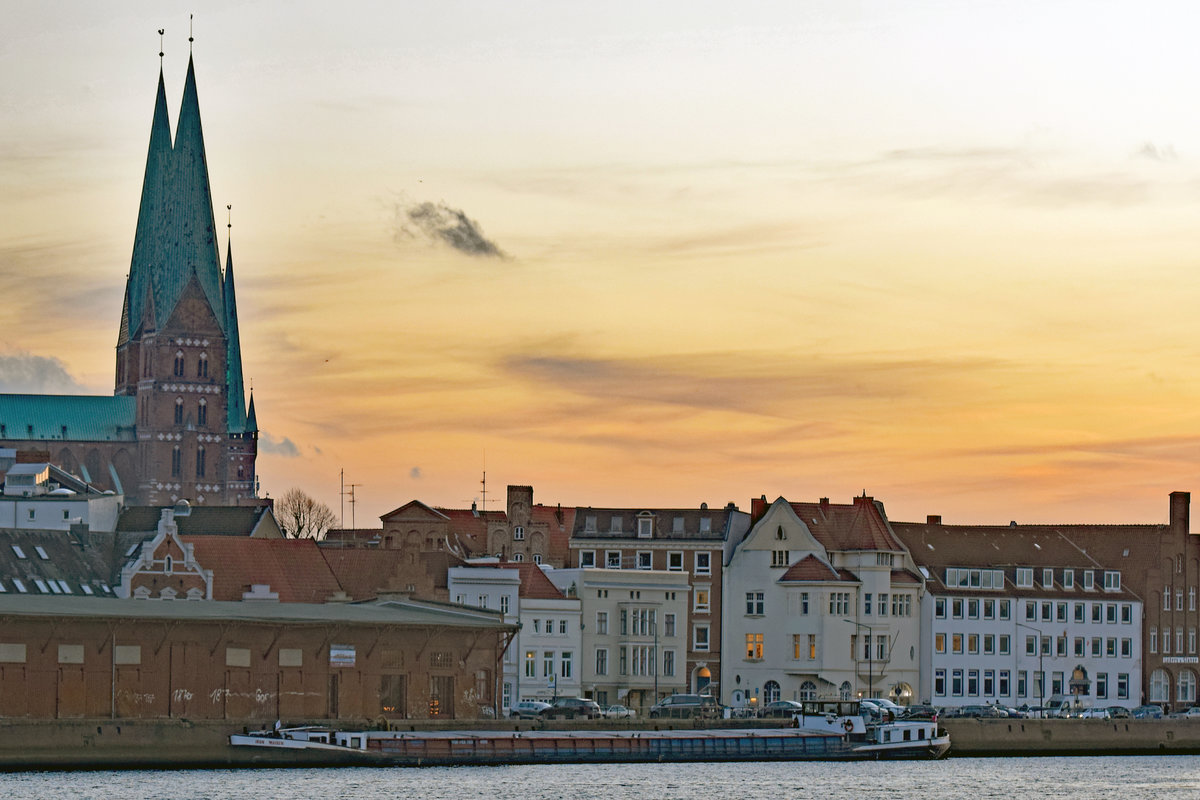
x,y
821,601
1022,615
542,661
635,639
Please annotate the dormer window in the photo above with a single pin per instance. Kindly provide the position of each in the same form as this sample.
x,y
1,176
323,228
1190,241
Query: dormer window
x,y
616,524
1068,579
1112,583
677,525
1047,578
705,524
1089,580
645,527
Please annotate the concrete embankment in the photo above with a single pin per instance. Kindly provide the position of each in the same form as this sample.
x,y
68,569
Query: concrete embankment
x,y
126,744
1044,737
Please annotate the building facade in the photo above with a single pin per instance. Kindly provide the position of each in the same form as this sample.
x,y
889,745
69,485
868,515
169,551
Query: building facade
x,y
177,426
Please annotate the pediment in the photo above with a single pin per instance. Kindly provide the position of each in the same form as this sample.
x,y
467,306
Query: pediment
x,y
414,511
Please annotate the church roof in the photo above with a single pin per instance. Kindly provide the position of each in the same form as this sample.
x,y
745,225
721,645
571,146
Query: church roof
x,y
235,391
42,417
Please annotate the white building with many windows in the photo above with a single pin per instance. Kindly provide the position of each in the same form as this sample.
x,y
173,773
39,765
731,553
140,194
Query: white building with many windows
x,y
543,660
821,601
635,638
1022,616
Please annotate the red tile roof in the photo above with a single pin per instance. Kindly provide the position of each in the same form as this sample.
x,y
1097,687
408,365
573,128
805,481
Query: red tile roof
x,y
810,568
293,568
858,526
534,583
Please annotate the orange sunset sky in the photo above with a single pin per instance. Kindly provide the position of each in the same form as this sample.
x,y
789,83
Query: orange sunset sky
x,y
651,254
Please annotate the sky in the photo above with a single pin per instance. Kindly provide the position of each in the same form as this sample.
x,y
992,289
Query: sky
x,y
650,254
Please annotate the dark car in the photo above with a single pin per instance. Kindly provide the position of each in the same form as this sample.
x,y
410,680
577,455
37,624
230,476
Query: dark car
x,y
572,708
686,705
781,708
920,712
1118,712
1147,712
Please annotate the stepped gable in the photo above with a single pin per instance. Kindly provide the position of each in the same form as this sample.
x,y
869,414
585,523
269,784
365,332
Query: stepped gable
x,y
534,583
293,568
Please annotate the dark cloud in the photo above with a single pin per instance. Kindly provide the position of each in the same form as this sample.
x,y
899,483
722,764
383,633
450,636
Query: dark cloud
x,y
29,374
280,447
442,224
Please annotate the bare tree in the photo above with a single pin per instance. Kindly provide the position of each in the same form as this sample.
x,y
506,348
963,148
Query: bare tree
x,y
301,516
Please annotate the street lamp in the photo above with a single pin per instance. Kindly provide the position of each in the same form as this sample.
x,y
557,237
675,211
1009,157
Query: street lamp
x,y
1041,665
870,665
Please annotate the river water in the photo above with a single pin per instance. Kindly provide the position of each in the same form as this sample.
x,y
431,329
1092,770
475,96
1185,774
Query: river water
x,y
1098,778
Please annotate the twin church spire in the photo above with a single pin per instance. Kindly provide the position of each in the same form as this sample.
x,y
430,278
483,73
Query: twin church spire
x,y
176,241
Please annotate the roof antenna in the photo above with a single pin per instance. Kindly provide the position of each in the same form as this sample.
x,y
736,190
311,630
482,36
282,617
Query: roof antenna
x,y
191,17
161,31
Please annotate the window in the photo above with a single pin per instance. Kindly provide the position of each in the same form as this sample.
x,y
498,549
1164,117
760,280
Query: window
x,y
518,533
939,608
700,637
1102,685
587,559
669,663
1187,687
973,682
1166,640
645,559
675,560
1089,580
601,660
754,646
1111,613
973,643
1097,612
202,366
839,603
562,627
866,604
797,646
1127,648
1047,611
548,664
564,664
669,625
178,369
178,410
701,604
989,609
1030,611
1080,612
703,563
1047,578
481,601
612,559
677,525
1068,579
881,653
1005,609
616,524
601,623
202,412
956,683
200,462
1061,612
804,603
779,558
956,608
1022,683
1179,599
812,647
956,642
939,682
589,523
504,604
1166,598
972,608
530,664
705,525
1154,640
989,644
1005,644
176,462
1080,647
1112,582
755,604
1122,685
883,599
1031,645
1004,687
1024,577
989,683
939,643
645,527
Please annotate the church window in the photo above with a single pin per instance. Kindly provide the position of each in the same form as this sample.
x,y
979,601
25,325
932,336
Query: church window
x,y
199,462
176,462
178,410
202,412
241,472
179,364
202,366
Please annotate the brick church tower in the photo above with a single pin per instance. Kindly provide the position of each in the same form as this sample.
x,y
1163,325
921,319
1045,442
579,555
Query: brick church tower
x,y
178,349
177,426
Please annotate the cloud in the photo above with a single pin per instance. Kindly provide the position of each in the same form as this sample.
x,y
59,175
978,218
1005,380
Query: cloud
x,y
1153,152
24,373
280,447
415,473
441,224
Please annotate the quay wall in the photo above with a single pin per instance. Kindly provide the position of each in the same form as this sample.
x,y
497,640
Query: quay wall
x,y
172,743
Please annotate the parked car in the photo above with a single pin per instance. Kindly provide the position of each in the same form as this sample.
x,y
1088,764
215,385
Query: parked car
x,y
1191,713
527,709
571,708
1094,713
686,705
1147,712
619,712
1118,712
982,712
781,708
920,712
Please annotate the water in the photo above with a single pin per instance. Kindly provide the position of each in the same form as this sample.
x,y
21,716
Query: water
x,y
1099,778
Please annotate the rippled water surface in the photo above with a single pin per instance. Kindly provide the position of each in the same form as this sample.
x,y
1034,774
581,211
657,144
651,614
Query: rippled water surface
x,y
1102,778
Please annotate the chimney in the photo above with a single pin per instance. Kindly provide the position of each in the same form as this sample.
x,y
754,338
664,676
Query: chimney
x,y
1180,501
933,519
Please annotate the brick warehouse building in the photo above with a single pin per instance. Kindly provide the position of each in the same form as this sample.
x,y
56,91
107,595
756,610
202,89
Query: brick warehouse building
x,y
177,425
74,657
